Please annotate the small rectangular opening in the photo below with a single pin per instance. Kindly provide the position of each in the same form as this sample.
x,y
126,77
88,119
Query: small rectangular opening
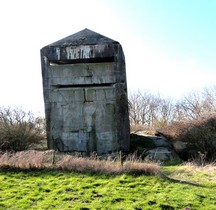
x,y
83,85
86,60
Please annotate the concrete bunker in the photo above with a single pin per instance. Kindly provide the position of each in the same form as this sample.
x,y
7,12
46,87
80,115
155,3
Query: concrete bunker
x,y
85,94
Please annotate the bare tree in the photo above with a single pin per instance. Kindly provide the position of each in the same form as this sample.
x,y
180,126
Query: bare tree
x,y
166,113
148,110
209,100
192,105
134,108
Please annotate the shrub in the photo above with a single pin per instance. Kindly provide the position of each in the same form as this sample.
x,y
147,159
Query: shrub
x,y
199,137
19,129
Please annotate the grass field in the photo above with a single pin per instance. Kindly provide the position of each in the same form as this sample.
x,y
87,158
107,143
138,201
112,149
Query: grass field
x,y
187,186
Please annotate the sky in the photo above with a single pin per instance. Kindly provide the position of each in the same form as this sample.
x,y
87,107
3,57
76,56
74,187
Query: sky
x,y
169,45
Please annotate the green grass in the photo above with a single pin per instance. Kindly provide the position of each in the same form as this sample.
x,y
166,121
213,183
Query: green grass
x,y
67,190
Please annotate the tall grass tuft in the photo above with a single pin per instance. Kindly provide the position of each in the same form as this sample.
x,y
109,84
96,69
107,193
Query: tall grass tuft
x,y
32,159
29,159
79,164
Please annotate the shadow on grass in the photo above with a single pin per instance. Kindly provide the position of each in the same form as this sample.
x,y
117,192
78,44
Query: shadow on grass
x,y
165,177
53,171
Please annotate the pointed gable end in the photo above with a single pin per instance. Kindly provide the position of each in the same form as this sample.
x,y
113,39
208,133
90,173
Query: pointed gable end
x,y
85,44
84,37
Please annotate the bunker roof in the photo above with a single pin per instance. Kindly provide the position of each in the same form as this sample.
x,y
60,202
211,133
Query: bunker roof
x,y
84,37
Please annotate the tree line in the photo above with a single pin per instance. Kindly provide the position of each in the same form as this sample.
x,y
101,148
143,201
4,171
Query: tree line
x,y
148,110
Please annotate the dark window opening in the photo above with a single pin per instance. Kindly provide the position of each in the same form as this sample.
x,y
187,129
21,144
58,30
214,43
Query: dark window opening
x,y
84,85
86,60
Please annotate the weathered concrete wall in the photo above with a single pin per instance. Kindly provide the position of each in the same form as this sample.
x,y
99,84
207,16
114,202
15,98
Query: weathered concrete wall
x,y
82,74
85,95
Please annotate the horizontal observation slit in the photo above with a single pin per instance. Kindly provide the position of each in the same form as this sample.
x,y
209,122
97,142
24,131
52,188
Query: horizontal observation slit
x,y
85,60
83,85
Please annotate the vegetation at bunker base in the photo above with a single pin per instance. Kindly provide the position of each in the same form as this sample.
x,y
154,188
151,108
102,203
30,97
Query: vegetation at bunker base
x,y
32,180
46,180
70,190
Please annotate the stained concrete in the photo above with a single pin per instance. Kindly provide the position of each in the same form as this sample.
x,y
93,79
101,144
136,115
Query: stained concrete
x,y
85,94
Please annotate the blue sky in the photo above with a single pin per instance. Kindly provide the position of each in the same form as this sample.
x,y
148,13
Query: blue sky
x,y
169,45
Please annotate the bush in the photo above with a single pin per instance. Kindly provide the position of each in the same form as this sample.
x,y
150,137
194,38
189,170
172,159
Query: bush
x,y
19,129
199,137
